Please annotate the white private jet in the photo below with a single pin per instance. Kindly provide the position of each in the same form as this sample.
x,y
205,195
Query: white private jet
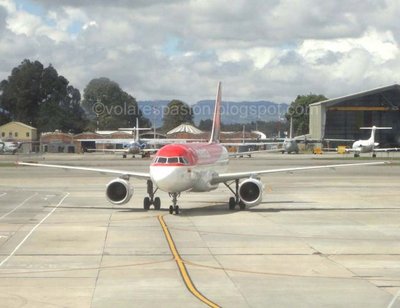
x,y
196,167
369,145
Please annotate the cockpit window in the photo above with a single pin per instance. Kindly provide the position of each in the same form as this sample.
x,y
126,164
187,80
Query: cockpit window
x,y
171,160
162,160
183,160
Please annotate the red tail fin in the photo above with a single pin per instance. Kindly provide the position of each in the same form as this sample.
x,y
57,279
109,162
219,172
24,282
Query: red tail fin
x,y
216,129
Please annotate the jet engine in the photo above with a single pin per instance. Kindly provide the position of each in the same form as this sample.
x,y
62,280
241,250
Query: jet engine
x,y
250,191
119,191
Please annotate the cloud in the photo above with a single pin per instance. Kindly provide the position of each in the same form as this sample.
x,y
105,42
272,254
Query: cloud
x,y
274,49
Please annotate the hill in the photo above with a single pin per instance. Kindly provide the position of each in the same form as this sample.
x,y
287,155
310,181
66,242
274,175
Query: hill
x,y
231,112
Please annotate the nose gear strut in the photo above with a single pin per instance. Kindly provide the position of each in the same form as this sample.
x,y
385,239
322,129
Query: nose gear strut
x,y
150,200
174,207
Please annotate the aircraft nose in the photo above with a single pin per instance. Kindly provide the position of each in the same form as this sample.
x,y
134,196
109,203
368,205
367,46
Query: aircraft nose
x,y
170,179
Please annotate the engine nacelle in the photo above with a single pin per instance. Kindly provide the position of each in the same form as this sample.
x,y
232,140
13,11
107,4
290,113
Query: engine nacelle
x,y
119,191
250,191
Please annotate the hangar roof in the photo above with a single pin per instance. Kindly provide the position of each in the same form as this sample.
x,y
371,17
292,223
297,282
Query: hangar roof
x,y
333,101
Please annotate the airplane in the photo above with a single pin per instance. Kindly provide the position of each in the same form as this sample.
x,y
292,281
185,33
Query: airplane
x,y
131,147
194,167
369,145
10,147
290,144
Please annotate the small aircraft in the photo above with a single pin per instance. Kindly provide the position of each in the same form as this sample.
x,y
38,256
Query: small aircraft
x,y
10,147
290,144
195,167
369,145
131,147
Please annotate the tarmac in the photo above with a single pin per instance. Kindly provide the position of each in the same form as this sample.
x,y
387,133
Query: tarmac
x,y
321,238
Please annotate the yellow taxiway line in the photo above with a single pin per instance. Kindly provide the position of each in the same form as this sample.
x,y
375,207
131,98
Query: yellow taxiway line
x,y
182,268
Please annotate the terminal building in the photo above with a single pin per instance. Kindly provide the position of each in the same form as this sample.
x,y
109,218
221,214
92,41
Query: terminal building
x,y
342,117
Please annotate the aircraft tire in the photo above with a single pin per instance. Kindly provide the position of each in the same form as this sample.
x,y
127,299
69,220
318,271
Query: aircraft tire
x,y
157,203
242,206
171,209
176,210
232,203
146,203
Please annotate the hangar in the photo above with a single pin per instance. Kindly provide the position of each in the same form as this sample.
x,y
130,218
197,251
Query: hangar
x,y
341,118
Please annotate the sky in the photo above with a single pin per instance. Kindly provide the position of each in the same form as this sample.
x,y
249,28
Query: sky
x,y
177,49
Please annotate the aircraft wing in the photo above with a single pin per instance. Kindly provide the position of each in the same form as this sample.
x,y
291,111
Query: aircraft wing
x,y
243,153
122,150
149,150
224,177
248,143
138,175
386,149
108,150
351,150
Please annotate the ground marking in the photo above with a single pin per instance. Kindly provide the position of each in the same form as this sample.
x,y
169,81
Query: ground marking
x,y
182,268
23,202
33,230
393,300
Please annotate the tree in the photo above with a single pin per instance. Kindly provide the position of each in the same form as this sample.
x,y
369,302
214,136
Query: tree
x,y
176,113
21,92
206,125
40,97
299,111
109,107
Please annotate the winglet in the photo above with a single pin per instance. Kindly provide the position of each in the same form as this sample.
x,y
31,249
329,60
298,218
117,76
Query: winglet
x,y
216,128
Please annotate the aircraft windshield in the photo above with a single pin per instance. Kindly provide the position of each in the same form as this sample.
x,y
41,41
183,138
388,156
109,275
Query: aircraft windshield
x,y
171,160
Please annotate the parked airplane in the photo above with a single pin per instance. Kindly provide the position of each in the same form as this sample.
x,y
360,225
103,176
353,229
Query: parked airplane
x,y
10,147
290,144
196,167
369,145
131,147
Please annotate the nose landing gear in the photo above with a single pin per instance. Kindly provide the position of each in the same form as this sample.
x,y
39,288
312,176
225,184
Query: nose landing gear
x,y
150,200
174,208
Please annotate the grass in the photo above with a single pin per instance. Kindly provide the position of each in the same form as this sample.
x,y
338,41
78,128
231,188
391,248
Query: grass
x,y
7,164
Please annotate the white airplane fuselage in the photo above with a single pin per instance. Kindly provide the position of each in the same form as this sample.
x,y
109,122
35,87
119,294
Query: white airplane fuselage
x,y
9,147
182,167
133,148
289,146
364,146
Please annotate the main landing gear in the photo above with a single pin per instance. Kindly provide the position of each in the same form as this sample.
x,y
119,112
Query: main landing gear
x,y
174,208
150,200
234,201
